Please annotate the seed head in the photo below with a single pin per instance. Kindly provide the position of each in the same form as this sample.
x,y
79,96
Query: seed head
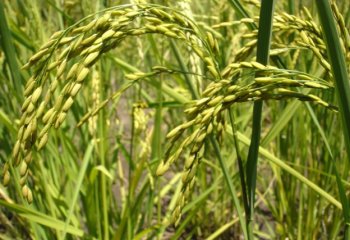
x,y
6,178
82,75
36,94
162,168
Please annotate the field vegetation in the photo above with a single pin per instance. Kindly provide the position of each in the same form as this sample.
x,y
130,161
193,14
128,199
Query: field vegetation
x,y
174,119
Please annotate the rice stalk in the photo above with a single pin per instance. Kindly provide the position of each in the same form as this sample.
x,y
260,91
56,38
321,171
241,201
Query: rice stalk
x,y
70,57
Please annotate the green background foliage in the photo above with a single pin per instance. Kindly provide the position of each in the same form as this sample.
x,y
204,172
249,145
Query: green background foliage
x,y
168,88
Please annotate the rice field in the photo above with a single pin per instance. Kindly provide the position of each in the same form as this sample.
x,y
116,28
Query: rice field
x,y
174,119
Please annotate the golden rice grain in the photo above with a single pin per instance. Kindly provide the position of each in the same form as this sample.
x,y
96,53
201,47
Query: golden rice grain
x,y
23,168
67,104
43,141
6,178
162,168
82,74
36,94
91,58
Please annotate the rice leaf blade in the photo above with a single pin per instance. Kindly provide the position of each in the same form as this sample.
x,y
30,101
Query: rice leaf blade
x,y
263,47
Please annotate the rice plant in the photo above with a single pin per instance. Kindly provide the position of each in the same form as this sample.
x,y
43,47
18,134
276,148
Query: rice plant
x,y
174,120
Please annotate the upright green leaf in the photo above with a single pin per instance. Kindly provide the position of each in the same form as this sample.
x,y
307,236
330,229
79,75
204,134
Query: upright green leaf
x,y
339,71
263,47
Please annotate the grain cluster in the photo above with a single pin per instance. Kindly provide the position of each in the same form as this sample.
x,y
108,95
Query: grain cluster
x,y
62,66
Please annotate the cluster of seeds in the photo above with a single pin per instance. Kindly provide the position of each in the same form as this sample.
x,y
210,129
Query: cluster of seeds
x,y
306,35
344,32
70,55
204,114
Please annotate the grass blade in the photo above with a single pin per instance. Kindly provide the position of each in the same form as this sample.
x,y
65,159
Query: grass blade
x,y
230,185
265,153
263,47
82,172
242,12
7,44
282,121
40,218
338,66
240,164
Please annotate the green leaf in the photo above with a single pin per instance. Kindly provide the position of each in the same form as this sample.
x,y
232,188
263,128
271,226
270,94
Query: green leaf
x,y
40,218
262,56
339,71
